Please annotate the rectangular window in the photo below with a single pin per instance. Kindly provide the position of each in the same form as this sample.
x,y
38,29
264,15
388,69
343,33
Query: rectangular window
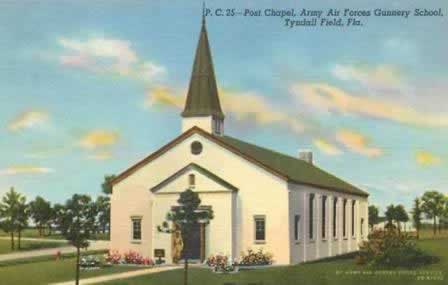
x,y
344,218
297,227
311,216
191,180
136,228
362,226
260,228
324,216
217,126
335,211
353,217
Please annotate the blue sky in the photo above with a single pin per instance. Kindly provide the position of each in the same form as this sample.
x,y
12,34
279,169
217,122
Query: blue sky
x,y
90,87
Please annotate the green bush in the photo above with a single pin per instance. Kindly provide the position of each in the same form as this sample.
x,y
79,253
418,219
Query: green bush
x,y
390,248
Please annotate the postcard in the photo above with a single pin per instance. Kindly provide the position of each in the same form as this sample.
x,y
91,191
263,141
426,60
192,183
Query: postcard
x,y
223,142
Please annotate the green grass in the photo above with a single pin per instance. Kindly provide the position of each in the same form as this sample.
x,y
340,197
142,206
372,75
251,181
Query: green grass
x,y
5,245
34,233
27,260
427,233
334,271
38,271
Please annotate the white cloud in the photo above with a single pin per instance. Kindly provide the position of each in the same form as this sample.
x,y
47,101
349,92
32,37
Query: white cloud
x,y
244,106
427,158
377,77
326,147
108,56
326,97
28,120
25,169
98,139
358,143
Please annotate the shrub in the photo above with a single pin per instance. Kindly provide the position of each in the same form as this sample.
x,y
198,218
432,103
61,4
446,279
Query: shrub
x,y
256,257
113,257
130,257
89,262
217,260
220,263
390,248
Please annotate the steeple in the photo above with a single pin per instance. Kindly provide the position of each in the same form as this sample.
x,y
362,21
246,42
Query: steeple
x,y
202,97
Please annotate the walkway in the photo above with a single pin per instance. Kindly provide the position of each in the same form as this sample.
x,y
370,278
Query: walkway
x,y
94,245
123,275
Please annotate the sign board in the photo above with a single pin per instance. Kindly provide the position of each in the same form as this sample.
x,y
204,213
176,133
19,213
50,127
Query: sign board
x,y
159,252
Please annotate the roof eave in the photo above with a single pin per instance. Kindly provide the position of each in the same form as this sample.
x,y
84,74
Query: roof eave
x,y
335,189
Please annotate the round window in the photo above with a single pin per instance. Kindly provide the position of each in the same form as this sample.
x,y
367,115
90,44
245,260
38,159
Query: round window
x,y
196,148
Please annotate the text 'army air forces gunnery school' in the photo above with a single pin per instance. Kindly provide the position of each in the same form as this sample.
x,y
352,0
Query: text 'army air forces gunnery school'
x,y
330,17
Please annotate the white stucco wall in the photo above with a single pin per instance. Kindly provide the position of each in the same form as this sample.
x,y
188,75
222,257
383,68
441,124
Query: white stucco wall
x,y
306,249
259,193
204,123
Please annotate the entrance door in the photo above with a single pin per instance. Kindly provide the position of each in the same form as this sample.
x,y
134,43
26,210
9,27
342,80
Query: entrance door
x,y
192,243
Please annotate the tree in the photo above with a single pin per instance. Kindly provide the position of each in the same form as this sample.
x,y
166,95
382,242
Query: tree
x,y
373,216
41,213
445,212
433,204
23,215
103,208
106,186
9,212
186,216
401,216
77,224
56,214
417,215
390,215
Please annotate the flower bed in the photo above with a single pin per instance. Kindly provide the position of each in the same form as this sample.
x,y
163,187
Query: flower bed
x,y
89,263
113,257
221,264
130,258
252,258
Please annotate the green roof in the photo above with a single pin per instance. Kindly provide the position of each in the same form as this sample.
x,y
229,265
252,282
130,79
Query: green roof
x,y
202,97
294,169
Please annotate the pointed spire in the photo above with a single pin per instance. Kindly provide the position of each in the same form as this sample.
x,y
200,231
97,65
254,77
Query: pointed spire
x,y
203,13
202,97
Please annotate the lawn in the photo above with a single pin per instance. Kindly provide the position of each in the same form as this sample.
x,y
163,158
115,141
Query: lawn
x,y
427,233
47,271
5,245
34,233
336,271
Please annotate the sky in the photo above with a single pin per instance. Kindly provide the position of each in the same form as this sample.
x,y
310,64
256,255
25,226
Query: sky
x,y
88,88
